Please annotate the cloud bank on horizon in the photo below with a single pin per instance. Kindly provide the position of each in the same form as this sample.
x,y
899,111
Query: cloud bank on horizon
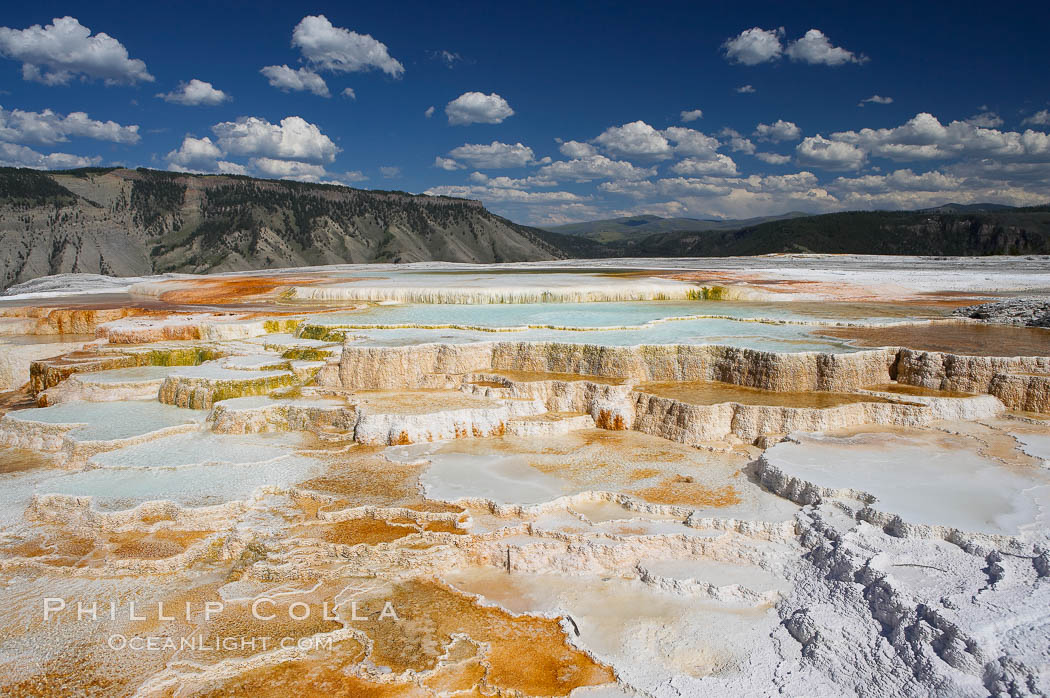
x,y
770,119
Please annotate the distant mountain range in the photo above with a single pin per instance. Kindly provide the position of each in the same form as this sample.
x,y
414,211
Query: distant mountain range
x,y
131,222
124,222
951,229
637,227
1002,231
966,208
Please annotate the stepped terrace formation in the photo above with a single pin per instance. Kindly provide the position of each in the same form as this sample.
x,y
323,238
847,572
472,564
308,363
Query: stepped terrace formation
x,y
796,475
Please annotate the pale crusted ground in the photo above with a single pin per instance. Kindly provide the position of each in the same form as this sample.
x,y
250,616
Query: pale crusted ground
x,y
509,517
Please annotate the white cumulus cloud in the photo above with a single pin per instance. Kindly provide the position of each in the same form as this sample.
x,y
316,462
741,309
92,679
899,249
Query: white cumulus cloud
x,y
493,156
512,182
47,128
831,155
691,115
691,142
636,139
773,158
815,48
195,93
778,131
195,155
745,90
576,149
986,119
288,169
736,141
718,165
754,46
13,155
340,50
64,49
503,194
477,108
1040,118
448,164
593,167
302,80
293,139
904,179
924,137
875,99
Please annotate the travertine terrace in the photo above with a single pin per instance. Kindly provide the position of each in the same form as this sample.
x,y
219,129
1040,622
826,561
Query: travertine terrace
x,y
793,475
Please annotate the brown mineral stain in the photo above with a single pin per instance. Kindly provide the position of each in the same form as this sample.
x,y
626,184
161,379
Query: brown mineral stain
x,y
525,654
318,676
237,621
309,506
13,460
915,390
423,401
442,527
456,678
63,550
361,476
34,547
606,420
150,519
61,684
373,531
365,530
643,473
535,376
153,546
228,288
971,339
436,507
681,490
19,399
715,392
306,679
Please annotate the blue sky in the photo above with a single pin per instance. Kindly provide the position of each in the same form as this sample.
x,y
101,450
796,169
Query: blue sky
x,y
549,112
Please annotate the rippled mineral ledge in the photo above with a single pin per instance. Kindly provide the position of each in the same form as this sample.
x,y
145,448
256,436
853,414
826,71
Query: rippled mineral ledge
x,y
793,475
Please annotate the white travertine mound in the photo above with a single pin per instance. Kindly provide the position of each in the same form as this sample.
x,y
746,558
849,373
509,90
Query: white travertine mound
x,y
79,430
694,424
954,488
1022,383
16,357
485,368
372,368
137,383
514,288
549,424
253,415
198,387
395,428
592,519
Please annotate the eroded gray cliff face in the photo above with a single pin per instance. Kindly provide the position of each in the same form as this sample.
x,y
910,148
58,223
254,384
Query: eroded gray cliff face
x,y
132,222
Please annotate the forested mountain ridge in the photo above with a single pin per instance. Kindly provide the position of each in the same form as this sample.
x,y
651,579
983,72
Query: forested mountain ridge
x,y
1008,231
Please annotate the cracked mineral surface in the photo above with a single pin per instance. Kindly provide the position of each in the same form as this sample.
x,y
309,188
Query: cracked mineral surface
x,y
793,475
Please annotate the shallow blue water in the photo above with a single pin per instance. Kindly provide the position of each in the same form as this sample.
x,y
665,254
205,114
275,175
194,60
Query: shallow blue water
x,y
591,314
107,421
749,335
